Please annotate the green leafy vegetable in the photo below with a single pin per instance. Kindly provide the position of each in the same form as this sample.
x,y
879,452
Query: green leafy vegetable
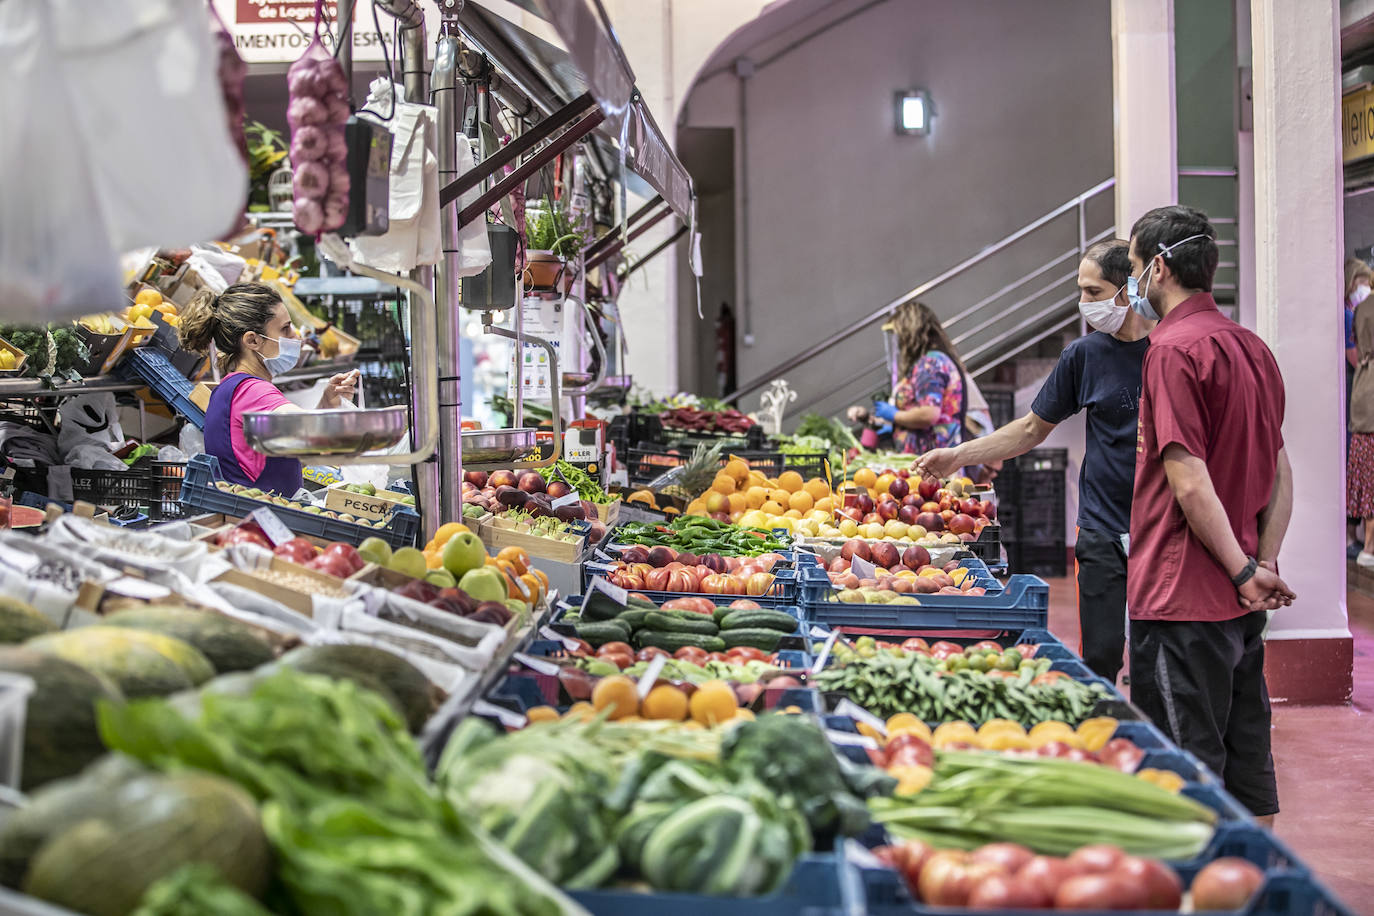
x,y
197,890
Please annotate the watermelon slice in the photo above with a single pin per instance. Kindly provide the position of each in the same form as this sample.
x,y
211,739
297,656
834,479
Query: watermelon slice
x,y
26,517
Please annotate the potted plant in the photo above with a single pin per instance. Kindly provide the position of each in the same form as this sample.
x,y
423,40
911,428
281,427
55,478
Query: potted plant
x,y
550,242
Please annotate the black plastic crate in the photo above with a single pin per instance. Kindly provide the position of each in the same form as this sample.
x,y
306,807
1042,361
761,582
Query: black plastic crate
x,y
151,486
167,339
1001,404
1048,561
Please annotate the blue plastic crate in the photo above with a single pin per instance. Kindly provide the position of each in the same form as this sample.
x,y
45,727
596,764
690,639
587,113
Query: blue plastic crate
x,y
166,381
1289,888
816,587
815,887
1025,602
198,490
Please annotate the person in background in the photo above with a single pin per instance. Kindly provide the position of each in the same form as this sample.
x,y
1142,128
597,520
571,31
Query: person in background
x,y
1213,497
1358,278
1359,479
928,403
249,327
1100,374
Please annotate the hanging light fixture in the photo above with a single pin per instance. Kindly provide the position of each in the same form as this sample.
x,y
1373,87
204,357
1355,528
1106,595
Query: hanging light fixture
x,y
913,112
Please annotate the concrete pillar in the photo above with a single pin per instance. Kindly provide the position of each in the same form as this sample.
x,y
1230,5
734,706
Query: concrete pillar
x,y
1146,126
1298,288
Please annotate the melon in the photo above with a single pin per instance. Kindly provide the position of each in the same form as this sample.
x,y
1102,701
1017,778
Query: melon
x,y
26,517
60,732
103,865
228,644
140,664
19,622
399,682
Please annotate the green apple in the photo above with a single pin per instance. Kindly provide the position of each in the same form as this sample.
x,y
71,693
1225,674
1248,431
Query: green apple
x,y
376,550
486,583
408,500
408,561
464,553
440,578
517,607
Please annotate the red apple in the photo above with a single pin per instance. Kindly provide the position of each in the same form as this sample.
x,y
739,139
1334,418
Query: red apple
x,y
904,473
931,521
960,524
348,552
907,514
899,488
928,487
888,509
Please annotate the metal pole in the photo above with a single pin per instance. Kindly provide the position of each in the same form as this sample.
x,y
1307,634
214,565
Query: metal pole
x,y
440,481
344,42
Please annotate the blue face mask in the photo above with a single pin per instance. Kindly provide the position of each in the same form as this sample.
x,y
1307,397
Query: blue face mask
x,y
1136,296
288,354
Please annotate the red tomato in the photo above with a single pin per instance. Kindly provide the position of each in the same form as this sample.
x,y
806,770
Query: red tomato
x,y
943,650
615,647
988,644
648,653
694,654
915,644
621,660
580,647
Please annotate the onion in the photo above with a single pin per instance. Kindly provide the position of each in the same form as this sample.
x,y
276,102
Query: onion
x,y
306,110
1226,884
311,180
1004,892
308,143
1091,892
1161,886
1045,874
1096,859
308,215
1011,856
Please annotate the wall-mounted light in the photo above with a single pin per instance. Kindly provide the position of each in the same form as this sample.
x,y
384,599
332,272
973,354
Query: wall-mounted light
x,y
914,112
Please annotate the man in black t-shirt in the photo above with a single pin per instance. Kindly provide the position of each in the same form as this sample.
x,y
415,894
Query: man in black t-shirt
x,y
1099,373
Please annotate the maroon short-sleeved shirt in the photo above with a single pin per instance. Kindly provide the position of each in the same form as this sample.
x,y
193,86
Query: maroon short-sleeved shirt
x,y
1214,388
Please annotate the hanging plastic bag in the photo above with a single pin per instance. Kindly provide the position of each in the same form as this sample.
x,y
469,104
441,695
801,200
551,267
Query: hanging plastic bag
x,y
131,64
56,259
317,112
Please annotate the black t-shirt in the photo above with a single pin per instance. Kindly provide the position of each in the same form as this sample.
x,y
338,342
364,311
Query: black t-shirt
x,y
1102,375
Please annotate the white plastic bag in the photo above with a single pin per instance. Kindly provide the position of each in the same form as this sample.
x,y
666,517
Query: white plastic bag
x,y
56,259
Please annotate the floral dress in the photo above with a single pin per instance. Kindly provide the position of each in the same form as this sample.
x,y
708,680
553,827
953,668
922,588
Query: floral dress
x,y
935,380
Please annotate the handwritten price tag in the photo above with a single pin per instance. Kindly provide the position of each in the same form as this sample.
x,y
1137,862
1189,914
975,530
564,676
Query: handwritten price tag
x,y
825,653
646,682
862,568
859,714
538,665
549,633
572,499
850,739
273,527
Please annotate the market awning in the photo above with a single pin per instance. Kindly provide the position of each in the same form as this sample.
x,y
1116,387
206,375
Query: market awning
x,y
552,51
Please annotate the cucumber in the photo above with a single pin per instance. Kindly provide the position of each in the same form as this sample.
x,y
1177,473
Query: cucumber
x,y
600,632
675,624
672,641
757,637
634,619
771,620
721,612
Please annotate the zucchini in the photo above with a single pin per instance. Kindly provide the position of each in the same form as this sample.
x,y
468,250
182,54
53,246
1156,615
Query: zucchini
x,y
672,641
757,637
781,621
600,632
721,612
600,606
634,619
681,624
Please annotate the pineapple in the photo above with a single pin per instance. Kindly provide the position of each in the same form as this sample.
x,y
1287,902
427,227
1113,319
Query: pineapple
x,y
694,478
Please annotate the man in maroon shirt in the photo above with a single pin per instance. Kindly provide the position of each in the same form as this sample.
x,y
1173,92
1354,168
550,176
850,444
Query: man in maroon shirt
x,y
1213,496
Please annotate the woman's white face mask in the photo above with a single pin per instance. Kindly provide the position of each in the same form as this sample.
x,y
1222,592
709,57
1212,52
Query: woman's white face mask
x,y
1105,316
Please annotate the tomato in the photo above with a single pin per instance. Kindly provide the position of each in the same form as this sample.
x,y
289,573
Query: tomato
x,y
722,657
694,654
907,748
943,650
621,660
989,645
579,648
649,653
915,644
1049,677
748,653
615,647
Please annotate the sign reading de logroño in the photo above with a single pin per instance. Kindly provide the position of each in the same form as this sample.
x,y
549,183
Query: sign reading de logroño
x,y
279,31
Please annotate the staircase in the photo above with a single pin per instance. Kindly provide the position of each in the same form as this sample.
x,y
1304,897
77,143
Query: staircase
x,y
1008,318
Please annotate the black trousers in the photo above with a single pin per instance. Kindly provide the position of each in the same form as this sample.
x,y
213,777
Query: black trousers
x,y
1203,684
1101,600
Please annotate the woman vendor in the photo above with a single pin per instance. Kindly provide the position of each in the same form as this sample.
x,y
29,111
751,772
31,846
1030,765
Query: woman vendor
x,y
252,333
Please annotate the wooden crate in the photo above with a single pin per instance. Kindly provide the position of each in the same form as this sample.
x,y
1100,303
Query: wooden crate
x,y
302,602
497,533
379,506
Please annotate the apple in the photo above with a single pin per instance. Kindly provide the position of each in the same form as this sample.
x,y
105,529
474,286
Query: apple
x,y
928,487
888,509
899,488
961,524
332,564
904,473
931,521
348,552
297,550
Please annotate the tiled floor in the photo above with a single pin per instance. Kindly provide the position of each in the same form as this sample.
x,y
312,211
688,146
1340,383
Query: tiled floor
x,y
1325,761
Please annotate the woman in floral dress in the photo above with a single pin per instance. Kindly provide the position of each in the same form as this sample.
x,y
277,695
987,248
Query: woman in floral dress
x,y
928,402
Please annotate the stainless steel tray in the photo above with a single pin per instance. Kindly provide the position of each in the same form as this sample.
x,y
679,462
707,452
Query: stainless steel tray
x,y
489,446
344,431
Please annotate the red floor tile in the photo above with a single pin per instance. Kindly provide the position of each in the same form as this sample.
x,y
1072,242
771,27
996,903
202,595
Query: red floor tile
x,y
1325,761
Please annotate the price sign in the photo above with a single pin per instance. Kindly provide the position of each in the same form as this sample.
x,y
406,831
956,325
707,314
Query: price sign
x,y
549,633
572,499
862,568
273,527
850,739
646,682
859,714
538,665
825,653
616,593
505,716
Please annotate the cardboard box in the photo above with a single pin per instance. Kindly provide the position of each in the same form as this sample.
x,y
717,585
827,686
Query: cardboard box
x,y
200,395
372,507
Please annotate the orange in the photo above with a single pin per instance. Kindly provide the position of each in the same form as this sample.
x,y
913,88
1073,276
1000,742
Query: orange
x,y
447,531
771,507
758,478
756,497
723,483
790,481
866,478
817,488
779,495
618,694
738,469
801,501
541,714
581,710
515,557
738,502
148,297
543,579
713,702
665,702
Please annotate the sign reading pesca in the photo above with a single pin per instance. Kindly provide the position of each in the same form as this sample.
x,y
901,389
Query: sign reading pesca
x,y
1357,124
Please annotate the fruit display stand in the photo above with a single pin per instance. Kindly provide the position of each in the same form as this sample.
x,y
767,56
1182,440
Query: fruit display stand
x,y
206,490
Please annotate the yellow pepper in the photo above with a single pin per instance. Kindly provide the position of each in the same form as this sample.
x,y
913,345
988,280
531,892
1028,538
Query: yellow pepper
x,y
911,778
1097,732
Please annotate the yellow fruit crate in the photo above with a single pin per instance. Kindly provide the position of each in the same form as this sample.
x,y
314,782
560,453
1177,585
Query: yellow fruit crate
x,y
106,338
12,359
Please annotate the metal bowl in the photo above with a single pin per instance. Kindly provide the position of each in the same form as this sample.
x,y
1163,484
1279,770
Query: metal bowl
x,y
496,446
345,431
